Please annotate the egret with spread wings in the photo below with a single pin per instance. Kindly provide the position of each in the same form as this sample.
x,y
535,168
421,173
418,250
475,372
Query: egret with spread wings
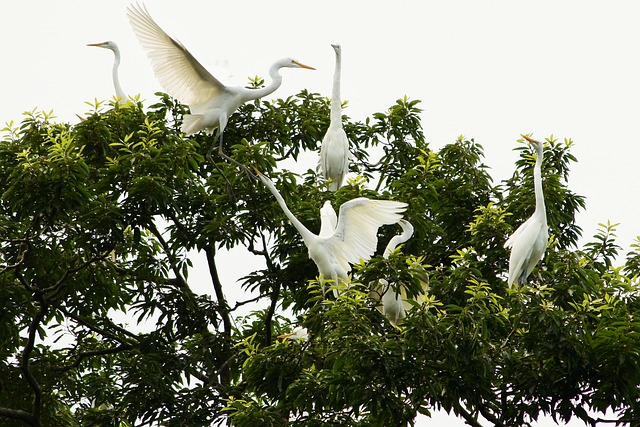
x,y
184,78
346,238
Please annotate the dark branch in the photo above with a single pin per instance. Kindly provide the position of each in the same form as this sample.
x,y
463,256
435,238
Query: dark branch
x,y
24,362
17,414
91,353
98,329
225,374
470,419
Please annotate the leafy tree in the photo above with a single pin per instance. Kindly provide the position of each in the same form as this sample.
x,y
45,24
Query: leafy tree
x,y
98,222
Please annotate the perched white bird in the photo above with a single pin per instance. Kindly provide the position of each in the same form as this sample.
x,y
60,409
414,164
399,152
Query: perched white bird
x,y
529,242
112,46
394,305
299,334
346,238
334,152
184,78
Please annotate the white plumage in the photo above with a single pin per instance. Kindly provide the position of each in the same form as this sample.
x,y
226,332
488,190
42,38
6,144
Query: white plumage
x,y
334,152
184,78
112,46
347,240
394,303
529,242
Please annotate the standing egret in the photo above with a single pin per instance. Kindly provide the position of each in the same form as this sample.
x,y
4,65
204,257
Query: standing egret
x,y
347,240
529,241
393,301
334,152
112,46
184,78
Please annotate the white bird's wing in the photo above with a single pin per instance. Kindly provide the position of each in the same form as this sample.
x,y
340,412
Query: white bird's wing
x,y
179,73
356,235
518,232
328,220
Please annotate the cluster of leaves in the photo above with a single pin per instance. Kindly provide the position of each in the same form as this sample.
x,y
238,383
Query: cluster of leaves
x,y
100,323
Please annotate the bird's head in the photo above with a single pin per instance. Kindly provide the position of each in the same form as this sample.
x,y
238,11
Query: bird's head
x,y
336,47
532,141
262,177
106,45
292,63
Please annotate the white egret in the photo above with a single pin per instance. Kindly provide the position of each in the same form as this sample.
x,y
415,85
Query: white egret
x,y
184,78
334,152
112,46
347,240
300,333
394,303
529,242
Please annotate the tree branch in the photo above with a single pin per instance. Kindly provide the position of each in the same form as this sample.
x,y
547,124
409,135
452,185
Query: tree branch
x,y
90,353
24,362
98,329
17,414
167,251
468,417
225,374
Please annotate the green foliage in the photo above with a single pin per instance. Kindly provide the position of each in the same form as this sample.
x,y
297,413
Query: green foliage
x,y
101,323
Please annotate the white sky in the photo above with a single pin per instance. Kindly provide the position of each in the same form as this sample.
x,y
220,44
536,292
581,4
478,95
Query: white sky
x,y
488,70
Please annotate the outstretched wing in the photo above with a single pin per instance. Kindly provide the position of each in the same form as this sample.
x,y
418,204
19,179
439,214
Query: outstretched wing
x,y
356,236
179,73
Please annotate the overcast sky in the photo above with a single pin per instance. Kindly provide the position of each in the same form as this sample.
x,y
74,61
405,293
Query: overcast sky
x,y
489,70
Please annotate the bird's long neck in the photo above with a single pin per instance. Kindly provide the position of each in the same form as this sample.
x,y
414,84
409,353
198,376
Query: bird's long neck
x,y
276,81
116,79
306,234
336,104
537,183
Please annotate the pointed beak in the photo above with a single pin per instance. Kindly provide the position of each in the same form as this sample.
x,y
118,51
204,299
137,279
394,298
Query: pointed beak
x,y
284,336
96,44
531,140
301,65
257,171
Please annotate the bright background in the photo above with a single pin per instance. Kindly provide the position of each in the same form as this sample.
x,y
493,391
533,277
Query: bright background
x,y
488,70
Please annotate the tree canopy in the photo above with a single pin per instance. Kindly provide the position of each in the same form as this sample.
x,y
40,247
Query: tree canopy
x,y
101,218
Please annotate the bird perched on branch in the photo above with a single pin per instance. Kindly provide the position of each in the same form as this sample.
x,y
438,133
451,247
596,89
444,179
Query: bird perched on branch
x,y
529,242
346,238
334,152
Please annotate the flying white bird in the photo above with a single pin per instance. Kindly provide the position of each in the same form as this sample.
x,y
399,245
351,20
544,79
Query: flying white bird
x,y
299,334
346,238
394,303
334,152
529,242
184,78
112,46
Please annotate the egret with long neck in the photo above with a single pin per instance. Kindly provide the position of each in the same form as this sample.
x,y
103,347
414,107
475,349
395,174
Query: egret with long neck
x,y
334,152
393,300
184,78
112,46
529,242
350,239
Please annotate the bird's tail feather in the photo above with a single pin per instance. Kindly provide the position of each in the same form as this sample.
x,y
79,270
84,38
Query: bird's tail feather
x,y
192,123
